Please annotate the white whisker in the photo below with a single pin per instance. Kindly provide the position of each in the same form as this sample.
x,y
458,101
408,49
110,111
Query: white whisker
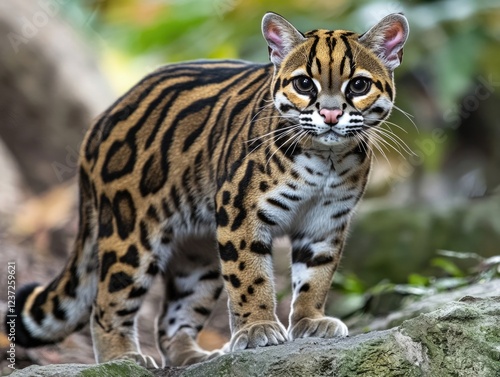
x,y
378,143
408,116
275,138
395,138
271,132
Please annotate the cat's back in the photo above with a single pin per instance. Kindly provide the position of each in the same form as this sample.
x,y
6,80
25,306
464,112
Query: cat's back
x,y
177,113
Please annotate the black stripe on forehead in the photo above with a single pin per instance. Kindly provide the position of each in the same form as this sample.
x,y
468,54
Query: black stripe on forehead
x,y
348,54
312,56
342,65
318,64
331,41
311,33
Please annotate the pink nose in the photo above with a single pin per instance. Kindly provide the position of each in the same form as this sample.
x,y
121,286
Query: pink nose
x,y
331,115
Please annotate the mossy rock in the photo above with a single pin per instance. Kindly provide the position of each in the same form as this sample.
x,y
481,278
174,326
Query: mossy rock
x,y
461,339
111,369
390,242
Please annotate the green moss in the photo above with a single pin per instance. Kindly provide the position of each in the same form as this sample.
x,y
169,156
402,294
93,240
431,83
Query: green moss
x,y
379,358
224,366
461,339
121,368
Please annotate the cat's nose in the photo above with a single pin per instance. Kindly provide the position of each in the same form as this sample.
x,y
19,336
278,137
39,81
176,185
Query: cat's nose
x,y
331,115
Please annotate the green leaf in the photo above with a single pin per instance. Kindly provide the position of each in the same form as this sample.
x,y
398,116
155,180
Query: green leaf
x,y
348,283
383,286
418,280
447,266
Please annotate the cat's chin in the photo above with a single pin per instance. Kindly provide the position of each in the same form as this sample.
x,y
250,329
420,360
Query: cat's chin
x,y
330,140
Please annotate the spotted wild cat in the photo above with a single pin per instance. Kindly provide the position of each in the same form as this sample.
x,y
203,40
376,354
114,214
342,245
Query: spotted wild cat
x,y
195,170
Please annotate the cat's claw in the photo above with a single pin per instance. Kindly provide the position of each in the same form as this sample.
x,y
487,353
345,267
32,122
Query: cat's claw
x,y
183,350
143,360
324,327
258,334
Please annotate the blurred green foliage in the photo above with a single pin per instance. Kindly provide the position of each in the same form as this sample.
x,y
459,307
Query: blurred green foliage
x,y
454,39
451,53
449,84
353,296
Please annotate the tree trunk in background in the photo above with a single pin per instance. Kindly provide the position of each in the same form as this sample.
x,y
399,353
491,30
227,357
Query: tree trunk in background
x,y
50,89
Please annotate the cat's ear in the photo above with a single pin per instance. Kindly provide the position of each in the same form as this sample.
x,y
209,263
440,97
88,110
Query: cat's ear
x,y
281,36
387,38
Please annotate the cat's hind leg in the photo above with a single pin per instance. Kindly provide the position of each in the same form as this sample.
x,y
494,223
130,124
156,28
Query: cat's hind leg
x,y
193,285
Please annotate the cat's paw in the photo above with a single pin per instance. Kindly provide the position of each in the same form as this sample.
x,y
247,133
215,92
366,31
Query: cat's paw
x,y
325,327
258,334
143,360
182,350
200,355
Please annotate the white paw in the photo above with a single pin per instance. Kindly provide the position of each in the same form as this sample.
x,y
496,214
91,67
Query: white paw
x,y
258,334
325,327
143,360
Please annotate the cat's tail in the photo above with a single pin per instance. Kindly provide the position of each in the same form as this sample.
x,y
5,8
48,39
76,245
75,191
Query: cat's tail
x,y
47,314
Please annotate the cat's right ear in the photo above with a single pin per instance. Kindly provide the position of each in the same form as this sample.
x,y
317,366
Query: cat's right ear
x,y
281,36
387,39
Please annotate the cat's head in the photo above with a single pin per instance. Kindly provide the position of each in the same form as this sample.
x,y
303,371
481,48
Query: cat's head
x,y
337,84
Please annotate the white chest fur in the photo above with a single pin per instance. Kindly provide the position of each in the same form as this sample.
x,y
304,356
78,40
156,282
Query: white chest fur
x,y
318,199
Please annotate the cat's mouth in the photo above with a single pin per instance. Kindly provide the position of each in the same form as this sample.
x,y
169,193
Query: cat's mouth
x,y
331,132
330,136
347,132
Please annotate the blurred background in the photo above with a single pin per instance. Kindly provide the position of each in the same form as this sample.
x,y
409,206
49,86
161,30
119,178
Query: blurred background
x,y
431,217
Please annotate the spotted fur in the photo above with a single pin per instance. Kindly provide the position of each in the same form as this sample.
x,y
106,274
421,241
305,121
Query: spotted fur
x,y
195,170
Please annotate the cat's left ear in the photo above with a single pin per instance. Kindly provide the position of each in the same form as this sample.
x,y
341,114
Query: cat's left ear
x,y
281,36
387,38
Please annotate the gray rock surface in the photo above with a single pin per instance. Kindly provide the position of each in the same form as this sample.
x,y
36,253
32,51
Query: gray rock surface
x,y
462,338
111,369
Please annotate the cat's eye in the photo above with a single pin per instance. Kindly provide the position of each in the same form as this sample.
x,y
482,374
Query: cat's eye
x,y
304,85
359,86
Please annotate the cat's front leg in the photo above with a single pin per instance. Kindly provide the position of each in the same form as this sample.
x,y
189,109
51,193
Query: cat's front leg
x,y
246,264
247,272
313,265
